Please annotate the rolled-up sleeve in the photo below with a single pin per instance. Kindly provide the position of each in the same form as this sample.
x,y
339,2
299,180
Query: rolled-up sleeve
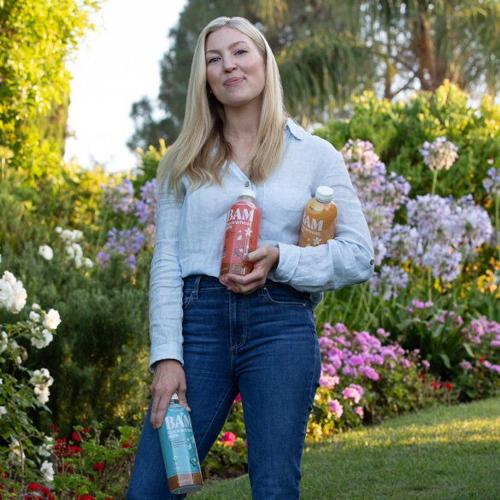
x,y
348,257
165,283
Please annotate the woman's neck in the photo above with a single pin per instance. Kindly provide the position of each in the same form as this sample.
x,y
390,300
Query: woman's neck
x,y
242,123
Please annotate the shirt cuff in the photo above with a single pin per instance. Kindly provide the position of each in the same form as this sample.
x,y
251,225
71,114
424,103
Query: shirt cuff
x,y
288,262
170,350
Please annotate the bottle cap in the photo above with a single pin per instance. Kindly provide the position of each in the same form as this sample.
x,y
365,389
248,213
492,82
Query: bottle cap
x,y
248,192
324,194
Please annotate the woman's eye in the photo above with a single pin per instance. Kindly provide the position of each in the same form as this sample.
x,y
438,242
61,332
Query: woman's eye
x,y
240,51
212,59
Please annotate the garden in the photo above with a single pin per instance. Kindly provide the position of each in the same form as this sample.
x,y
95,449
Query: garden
x,y
422,336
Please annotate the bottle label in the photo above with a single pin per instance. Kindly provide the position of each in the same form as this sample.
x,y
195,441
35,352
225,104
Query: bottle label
x,y
177,442
242,235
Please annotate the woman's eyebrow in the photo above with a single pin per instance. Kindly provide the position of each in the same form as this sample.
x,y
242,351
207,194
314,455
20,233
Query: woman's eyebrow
x,y
230,46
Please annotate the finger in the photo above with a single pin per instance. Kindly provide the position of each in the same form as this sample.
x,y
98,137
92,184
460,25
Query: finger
x,y
158,415
182,397
257,254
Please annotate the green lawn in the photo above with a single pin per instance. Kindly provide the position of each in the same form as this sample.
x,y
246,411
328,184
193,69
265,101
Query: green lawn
x,y
439,453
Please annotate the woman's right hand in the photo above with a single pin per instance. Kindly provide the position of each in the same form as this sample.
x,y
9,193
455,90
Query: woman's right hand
x,y
169,377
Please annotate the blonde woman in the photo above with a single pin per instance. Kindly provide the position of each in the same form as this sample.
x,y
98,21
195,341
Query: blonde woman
x,y
253,335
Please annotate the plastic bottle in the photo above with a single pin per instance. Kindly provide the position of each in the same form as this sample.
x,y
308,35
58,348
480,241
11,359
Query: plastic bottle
x,y
242,234
318,221
179,451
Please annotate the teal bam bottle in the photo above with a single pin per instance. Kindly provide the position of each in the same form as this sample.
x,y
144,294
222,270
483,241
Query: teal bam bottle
x,y
179,450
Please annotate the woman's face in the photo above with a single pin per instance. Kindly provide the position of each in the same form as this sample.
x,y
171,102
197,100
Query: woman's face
x,y
235,68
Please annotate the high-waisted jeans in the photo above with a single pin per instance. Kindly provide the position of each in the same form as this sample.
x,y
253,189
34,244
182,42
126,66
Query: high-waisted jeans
x,y
263,346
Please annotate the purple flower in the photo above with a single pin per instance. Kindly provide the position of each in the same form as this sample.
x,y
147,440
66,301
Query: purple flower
x,y
492,182
465,365
359,411
335,408
369,372
328,381
121,197
351,393
440,154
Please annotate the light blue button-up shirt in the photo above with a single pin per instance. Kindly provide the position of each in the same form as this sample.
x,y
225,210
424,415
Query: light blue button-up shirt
x,y
190,233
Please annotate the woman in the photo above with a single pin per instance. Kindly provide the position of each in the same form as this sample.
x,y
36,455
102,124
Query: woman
x,y
254,335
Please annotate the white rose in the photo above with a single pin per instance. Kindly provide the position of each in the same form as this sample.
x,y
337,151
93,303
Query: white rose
x,y
35,306
46,252
47,469
34,316
4,342
42,393
43,342
52,319
12,293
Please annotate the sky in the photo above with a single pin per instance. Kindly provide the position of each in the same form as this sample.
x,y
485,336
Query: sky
x,y
116,64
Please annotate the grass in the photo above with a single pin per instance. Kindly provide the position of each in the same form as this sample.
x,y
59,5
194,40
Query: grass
x,y
446,452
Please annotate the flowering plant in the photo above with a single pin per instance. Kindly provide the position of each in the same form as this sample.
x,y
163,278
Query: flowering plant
x,y
27,450
364,378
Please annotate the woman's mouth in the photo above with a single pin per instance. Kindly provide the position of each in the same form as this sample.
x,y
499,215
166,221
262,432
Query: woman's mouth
x,y
231,82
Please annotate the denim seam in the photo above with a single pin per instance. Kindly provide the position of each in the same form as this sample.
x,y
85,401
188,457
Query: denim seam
x,y
219,404
283,303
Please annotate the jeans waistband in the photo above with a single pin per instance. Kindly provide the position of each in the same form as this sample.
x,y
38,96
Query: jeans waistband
x,y
202,281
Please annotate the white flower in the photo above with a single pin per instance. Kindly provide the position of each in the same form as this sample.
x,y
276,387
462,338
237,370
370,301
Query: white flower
x,y
1,381
35,307
44,342
34,316
18,361
3,411
52,319
46,448
88,263
4,341
42,393
12,293
47,469
78,262
46,252
59,229
16,454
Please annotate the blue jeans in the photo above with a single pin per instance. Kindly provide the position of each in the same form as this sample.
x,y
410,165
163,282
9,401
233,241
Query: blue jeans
x,y
262,345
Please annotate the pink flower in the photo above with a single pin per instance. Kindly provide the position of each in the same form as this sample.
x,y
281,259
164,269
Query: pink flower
x,y
328,381
465,365
359,411
228,439
237,399
369,372
351,393
341,328
335,408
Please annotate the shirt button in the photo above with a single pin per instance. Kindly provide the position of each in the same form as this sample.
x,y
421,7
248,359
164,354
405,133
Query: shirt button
x,y
247,184
372,262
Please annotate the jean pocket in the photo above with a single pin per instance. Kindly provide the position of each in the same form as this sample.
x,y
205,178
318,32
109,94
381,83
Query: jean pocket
x,y
284,297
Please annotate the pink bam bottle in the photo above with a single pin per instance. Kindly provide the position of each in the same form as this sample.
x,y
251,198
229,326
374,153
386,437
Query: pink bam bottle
x,y
242,234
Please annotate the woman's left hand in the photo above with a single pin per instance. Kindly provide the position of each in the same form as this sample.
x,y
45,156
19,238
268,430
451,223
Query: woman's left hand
x,y
264,258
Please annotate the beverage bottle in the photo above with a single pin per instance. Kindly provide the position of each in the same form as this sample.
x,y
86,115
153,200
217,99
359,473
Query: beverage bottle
x,y
318,221
178,448
242,234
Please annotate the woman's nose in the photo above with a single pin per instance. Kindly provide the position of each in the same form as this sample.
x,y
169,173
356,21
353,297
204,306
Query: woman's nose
x,y
229,64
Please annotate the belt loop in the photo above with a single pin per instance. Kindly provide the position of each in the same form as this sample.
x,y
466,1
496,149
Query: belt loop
x,y
197,285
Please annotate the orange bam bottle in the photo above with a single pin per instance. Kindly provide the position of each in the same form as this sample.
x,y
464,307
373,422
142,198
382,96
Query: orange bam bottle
x,y
318,221
242,234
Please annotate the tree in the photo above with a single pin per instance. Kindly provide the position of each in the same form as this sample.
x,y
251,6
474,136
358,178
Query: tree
x,y
329,50
36,37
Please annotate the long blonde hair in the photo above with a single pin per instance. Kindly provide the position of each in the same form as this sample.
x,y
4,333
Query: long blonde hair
x,y
201,149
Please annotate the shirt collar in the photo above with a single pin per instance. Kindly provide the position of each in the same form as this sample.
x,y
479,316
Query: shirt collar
x,y
296,130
